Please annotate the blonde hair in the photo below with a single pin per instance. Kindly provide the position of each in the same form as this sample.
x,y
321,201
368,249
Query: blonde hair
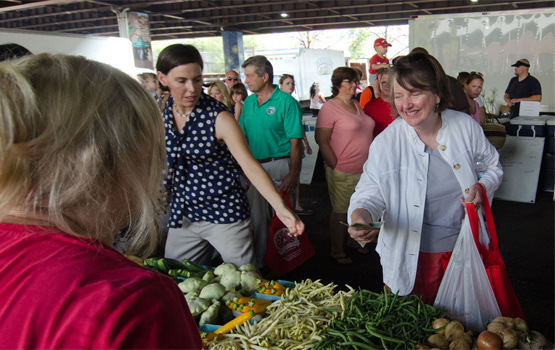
x,y
79,135
222,89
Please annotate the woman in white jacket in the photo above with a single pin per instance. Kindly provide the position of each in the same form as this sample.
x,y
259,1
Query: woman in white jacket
x,y
418,173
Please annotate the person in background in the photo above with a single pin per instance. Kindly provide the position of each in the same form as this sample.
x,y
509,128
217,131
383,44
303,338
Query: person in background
x,y
68,185
522,87
380,109
462,78
12,51
272,123
207,152
317,99
287,84
358,90
417,187
458,102
344,134
238,94
376,62
218,91
149,82
232,77
473,88
366,96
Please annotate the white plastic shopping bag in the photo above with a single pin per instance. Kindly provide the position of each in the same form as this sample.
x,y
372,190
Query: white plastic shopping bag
x,y
465,291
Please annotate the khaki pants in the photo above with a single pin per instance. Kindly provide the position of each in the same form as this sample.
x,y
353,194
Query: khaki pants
x,y
196,241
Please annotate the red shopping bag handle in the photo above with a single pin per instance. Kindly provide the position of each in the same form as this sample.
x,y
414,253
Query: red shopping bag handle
x,y
475,225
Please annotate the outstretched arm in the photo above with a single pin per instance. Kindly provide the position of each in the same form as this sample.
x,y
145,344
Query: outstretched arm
x,y
228,131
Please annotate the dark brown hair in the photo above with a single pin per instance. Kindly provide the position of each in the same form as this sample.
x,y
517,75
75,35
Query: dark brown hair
x,y
420,71
340,74
176,55
240,89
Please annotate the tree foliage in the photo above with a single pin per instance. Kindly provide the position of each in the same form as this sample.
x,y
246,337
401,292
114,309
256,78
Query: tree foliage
x,y
359,39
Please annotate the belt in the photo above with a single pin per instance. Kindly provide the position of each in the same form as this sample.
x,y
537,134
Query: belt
x,y
261,161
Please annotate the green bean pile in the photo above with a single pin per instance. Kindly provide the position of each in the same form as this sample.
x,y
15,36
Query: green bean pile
x,y
380,321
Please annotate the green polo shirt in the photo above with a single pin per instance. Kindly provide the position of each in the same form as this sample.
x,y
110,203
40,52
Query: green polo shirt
x,y
270,127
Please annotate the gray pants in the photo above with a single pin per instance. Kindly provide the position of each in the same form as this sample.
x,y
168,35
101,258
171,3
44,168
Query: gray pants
x,y
196,241
261,211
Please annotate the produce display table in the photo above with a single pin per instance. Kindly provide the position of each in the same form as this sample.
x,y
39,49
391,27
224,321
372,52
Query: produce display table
x,y
233,312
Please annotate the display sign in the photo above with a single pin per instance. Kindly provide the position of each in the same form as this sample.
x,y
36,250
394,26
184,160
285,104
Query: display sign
x,y
529,109
521,159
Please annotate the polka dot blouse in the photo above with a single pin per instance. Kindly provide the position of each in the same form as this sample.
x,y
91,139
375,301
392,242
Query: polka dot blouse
x,y
203,177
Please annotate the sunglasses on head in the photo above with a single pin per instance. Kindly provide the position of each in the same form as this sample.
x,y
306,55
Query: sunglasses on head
x,y
230,78
478,73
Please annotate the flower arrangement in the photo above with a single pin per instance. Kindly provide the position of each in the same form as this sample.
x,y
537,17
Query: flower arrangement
x,y
490,104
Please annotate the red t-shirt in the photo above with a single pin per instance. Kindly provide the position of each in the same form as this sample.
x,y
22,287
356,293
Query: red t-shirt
x,y
59,291
376,59
380,111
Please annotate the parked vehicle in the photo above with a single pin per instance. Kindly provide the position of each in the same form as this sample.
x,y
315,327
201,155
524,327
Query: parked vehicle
x,y
307,66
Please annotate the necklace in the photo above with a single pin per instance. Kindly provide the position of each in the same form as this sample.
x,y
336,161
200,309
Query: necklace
x,y
184,115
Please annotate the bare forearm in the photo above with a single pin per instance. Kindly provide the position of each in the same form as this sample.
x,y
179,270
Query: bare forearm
x,y
296,156
328,155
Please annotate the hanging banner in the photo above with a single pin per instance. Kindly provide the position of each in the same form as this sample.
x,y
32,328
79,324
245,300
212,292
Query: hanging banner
x,y
138,25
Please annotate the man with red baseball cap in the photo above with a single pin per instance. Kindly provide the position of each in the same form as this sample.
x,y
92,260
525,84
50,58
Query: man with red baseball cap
x,y
522,87
378,61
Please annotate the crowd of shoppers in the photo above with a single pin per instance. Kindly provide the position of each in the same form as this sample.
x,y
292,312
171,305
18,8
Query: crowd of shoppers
x,y
405,157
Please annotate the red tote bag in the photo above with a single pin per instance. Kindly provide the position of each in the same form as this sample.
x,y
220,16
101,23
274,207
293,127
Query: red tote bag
x,y
284,253
495,267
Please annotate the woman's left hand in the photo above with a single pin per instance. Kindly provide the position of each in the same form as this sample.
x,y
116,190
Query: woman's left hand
x,y
291,220
474,196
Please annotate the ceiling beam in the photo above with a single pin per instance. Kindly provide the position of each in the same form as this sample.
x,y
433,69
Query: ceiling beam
x,y
36,4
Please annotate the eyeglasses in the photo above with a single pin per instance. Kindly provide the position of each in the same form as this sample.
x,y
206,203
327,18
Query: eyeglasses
x,y
356,82
230,78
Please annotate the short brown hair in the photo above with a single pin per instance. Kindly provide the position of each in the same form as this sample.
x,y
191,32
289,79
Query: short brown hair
x,y
420,71
340,74
261,65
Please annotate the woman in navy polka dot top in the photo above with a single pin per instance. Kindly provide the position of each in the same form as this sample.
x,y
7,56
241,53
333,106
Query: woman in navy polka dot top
x,y
207,152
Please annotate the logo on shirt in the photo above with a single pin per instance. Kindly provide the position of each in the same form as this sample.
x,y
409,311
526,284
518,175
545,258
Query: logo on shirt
x,y
271,110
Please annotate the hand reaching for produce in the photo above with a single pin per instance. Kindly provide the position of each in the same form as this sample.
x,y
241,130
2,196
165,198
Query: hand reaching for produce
x,y
362,216
474,196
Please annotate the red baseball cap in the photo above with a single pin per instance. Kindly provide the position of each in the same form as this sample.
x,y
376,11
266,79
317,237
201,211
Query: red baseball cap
x,y
381,42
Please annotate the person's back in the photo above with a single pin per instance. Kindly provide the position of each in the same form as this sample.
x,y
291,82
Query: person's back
x,y
62,291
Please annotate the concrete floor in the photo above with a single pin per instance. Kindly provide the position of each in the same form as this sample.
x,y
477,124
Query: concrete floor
x,y
526,240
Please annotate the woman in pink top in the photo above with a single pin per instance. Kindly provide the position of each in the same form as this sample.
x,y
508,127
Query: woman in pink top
x,y
344,134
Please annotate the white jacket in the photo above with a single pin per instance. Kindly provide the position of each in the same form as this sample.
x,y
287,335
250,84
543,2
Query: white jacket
x,y
394,180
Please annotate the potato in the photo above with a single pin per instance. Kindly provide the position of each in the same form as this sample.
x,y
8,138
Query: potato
x,y
440,323
454,330
438,341
496,327
459,344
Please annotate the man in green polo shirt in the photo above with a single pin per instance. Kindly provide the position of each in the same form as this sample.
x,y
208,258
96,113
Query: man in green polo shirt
x,y
272,123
